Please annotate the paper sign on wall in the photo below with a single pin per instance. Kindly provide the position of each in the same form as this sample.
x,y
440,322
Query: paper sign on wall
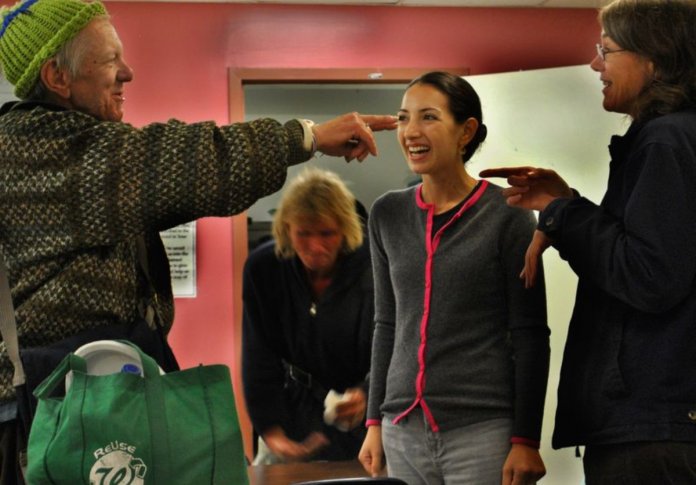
x,y
180,244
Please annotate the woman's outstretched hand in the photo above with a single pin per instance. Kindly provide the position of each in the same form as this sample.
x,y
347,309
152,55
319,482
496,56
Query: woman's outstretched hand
x,y
530,187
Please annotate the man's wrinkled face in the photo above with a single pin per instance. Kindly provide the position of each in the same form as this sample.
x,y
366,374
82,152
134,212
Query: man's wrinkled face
x,y
97,88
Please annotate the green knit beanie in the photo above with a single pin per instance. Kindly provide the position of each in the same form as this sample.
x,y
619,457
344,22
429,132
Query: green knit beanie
x,y
32,31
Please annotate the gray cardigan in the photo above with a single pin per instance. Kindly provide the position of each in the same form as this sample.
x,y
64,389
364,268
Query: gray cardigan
x,y
456,332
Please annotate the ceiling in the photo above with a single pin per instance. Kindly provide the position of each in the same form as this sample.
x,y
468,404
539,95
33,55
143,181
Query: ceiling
x,y
430,3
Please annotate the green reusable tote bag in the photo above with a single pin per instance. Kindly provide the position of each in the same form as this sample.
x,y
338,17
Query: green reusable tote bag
x,y
127,429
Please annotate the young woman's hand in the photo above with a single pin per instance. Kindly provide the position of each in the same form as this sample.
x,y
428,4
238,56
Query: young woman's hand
x,y
523,466
372,454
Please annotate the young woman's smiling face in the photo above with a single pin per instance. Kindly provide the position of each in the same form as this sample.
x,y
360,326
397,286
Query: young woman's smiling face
x,y
430,138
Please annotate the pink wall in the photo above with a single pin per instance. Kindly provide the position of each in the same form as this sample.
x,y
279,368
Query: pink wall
x,y
181,52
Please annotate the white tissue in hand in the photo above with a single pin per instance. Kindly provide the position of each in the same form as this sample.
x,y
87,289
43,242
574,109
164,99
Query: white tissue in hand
x,y
330,401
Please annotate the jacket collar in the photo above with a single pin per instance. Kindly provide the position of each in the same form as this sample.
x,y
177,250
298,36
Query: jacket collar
x,y
28,105
620,145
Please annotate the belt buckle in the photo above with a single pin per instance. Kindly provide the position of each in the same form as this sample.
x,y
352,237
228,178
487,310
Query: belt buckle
x,y
301,377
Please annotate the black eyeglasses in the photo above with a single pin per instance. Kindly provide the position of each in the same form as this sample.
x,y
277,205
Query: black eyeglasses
x,y
602,52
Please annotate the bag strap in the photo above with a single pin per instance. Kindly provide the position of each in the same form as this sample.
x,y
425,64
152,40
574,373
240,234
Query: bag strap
x,y
8,326
70,362
147,310
159,427
159,430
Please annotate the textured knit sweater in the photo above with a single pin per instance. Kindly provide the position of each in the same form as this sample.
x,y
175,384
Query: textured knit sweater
x,y
456,332
76,193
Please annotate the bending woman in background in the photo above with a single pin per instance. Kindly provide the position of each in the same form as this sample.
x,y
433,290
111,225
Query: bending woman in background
x,y
460,352
308,317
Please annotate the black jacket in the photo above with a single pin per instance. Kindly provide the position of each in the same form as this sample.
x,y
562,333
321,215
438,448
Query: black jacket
x,y
332,343
629,367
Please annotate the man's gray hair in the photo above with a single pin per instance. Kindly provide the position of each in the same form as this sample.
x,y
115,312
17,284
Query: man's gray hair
x,y
69,58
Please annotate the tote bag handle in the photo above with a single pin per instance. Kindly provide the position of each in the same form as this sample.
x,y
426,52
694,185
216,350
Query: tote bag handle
x,y
75,363
70,362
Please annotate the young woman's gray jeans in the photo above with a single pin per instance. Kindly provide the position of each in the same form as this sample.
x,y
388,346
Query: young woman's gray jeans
x,y
469,455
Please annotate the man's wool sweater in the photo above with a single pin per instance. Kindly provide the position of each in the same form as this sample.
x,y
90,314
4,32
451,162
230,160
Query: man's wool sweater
x,y
76,194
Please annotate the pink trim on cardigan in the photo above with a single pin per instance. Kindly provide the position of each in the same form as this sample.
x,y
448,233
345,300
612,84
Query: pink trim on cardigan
x,y
517,440
431,244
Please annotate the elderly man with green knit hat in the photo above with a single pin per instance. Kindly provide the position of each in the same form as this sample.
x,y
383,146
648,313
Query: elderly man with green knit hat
x,y
83,195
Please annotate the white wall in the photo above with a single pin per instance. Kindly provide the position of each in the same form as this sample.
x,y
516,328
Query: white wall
x,y
551,118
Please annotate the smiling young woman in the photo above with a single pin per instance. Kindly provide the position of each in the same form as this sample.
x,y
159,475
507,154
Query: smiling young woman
x,y
460,351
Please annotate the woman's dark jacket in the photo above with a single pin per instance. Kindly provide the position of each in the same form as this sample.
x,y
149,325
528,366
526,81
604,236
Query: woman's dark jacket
x,y
331,340
629,367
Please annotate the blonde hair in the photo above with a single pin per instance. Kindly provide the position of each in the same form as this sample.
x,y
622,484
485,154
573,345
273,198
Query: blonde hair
x,y
316,194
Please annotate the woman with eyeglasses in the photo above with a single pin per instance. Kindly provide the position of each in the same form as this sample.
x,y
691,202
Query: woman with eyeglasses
x,y
461,349
628,380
